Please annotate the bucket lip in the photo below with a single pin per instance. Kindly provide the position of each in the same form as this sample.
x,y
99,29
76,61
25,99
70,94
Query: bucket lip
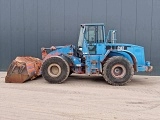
x,y
16,78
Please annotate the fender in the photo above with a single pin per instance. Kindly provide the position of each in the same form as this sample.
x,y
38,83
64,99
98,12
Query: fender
x,y
66,58
127,54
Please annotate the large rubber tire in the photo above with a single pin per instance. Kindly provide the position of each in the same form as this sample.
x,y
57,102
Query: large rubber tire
x,y
55,70
117,71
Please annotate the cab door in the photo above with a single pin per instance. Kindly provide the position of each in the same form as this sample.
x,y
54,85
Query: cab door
x,y
95,39
90,37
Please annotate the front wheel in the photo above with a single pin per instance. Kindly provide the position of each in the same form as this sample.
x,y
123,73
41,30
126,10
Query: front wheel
x,y
117,70
55,70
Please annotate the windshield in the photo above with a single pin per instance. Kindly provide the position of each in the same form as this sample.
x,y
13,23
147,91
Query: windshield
x,y
80,41
94,34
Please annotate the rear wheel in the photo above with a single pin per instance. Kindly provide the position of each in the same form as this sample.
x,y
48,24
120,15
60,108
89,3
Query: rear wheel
x,y
55,70
117,71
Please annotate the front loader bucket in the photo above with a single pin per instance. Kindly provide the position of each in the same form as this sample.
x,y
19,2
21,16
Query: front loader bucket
x,y
23,69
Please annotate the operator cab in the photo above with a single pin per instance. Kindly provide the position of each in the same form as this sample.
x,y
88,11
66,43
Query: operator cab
x,y
92,39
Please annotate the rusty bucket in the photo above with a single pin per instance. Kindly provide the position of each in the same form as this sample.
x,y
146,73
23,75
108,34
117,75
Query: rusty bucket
x,y
22,69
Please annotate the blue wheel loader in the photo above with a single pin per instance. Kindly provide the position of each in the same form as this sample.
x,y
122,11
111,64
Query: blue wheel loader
x,y
96,53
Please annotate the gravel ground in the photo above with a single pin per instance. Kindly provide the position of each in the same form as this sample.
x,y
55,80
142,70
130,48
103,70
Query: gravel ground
x,y
80,98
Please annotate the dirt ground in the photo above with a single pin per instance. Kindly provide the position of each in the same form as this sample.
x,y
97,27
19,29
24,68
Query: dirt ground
x,y
80,98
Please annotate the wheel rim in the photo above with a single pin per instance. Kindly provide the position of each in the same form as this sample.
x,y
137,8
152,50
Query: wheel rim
x,y
54,70
118,71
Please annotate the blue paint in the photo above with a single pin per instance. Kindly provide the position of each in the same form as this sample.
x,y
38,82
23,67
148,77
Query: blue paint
x,y
95,47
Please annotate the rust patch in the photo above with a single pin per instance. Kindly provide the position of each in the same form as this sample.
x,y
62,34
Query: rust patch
x,y
22,69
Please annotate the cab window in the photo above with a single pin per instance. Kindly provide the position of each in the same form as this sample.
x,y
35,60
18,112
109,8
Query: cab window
x,y
90,34
100,34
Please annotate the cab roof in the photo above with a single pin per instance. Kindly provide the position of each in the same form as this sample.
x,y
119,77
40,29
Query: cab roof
x,y
92,24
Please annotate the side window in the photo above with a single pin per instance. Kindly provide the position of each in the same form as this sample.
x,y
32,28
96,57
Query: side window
x,y
100,34
90,34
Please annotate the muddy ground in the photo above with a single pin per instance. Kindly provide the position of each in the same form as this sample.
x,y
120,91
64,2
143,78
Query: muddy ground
x,y
80,98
